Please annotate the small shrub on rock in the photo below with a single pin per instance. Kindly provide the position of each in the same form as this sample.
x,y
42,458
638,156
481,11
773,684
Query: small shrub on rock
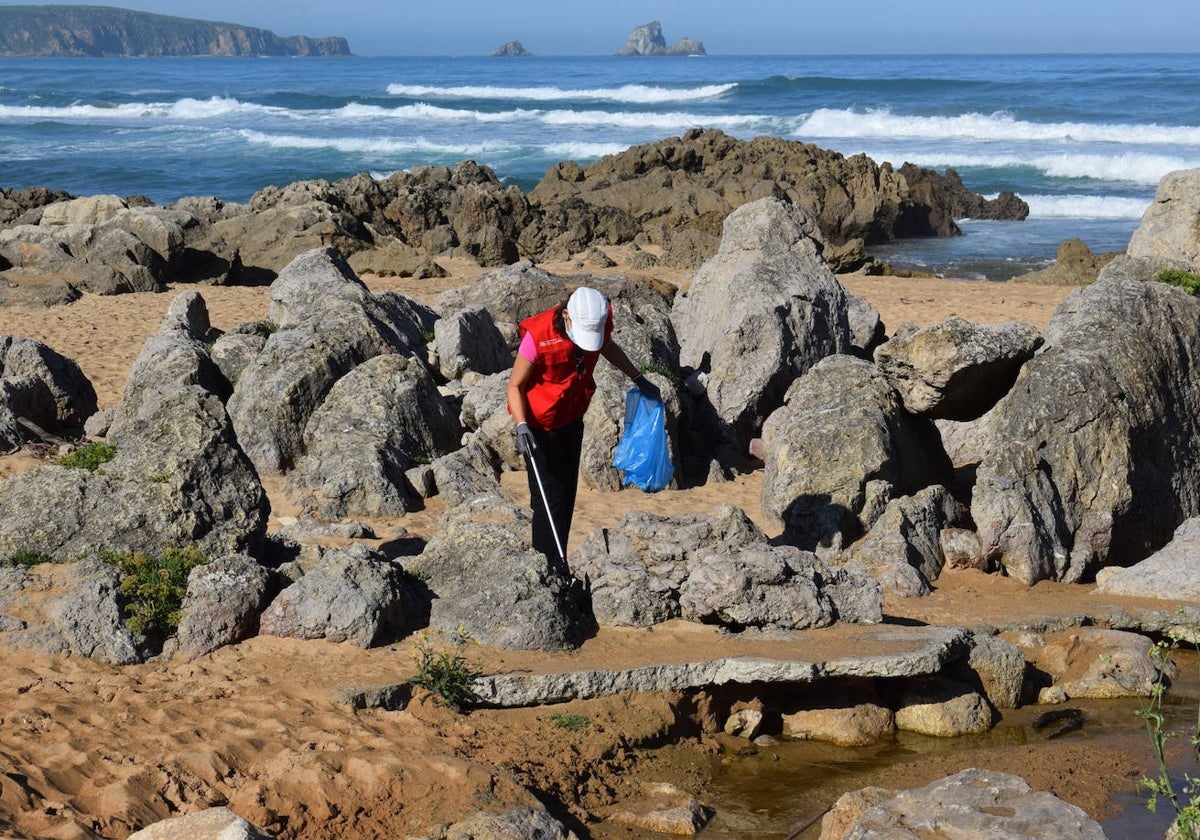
x,y
155,586
1185,280
28,557
88,457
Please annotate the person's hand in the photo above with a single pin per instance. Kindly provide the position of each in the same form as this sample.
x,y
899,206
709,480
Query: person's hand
x,y
526,442
647,388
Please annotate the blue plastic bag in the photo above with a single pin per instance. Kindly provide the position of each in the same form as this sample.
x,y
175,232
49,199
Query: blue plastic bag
x,y
643,454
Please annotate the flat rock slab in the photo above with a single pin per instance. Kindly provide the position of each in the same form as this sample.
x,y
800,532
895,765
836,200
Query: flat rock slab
x,y
877,651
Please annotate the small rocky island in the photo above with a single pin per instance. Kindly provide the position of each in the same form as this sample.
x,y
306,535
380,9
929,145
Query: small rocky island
x,y
648,39
105,31
512,48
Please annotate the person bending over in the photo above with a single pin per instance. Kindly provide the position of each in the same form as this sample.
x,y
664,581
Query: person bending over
x,y
549,390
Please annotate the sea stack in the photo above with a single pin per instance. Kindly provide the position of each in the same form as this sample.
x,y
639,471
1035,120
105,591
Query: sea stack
x,y
648,39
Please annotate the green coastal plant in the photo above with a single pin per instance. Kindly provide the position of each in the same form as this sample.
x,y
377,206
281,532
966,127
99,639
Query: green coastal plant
x,y
444,673
662,370
155,586
88,457
1184,798
28,557
1185,280
571,723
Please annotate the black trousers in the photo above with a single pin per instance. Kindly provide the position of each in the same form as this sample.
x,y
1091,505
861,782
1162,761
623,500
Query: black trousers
x,y
558,467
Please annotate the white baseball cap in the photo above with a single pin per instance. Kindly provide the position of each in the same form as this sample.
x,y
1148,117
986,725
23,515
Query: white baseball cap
x,y
589,315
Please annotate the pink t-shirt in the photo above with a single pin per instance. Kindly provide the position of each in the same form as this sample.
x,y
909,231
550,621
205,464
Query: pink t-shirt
x,y
528,348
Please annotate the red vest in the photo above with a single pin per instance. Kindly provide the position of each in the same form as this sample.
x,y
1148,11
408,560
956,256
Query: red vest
x,y
561,387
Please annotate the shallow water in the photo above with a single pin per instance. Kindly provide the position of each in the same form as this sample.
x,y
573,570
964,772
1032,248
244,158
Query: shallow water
x,y
772,794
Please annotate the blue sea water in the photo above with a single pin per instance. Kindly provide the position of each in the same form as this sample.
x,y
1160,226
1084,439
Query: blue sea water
x,y
1083,138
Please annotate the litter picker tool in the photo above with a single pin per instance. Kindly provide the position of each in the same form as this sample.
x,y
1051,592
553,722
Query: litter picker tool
x,y
532,458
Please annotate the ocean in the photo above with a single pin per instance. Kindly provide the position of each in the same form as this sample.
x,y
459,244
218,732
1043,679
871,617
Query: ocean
x,y
1083,138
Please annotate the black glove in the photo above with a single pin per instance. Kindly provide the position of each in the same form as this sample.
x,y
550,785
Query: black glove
x,y
526,442
648,388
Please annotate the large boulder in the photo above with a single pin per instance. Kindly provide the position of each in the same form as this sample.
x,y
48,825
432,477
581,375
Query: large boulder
x,y
376,422
1074,265
24,398
1092,457
1170,227
759,314
73,396
223,602
487,581
328,323
510,295
718,570
841,447
470,341
972,803
1171,574
956,370
352,595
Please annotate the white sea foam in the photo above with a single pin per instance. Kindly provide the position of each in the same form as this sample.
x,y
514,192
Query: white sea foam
x,y
1085,206
826,122
583,151
182,109
626,93
370,145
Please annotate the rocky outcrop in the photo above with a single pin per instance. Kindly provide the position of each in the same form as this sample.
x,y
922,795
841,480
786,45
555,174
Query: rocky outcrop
x,y
947,193
72,399
1091,458
1074,265
648,39
759,314
956,370
328,323
840,448
100,31
1170,228
717,570
687,185
510,49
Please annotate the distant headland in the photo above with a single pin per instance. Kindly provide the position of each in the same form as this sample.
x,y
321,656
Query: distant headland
x,y
106,31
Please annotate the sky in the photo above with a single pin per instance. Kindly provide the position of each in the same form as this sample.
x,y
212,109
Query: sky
x,y
744,27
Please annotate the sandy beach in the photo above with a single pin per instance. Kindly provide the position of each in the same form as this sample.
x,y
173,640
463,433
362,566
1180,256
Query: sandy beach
x,y
91,750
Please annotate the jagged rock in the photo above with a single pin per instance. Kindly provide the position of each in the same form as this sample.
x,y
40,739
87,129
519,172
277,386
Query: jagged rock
x,y
375,423
210,824
16,203
759,314
28,398
942,707
647,39
903,550
275,234
694,181
328,323
847,726
520,823
866,329
233,351
1168,230
1074,265
473,470
956,370
962,550
717,569
224,599
178,476
1091,456
509,50
1000,665
489,582
947,193
510,294
468,340
973,803
77,609
840,449
483,398
353,595
1172,573
1094,662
